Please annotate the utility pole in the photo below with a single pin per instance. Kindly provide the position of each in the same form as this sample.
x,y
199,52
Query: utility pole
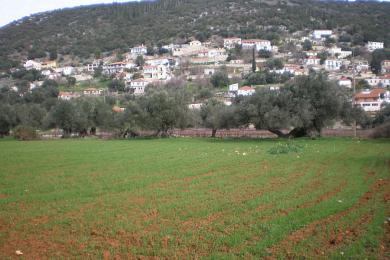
x,y
254,65
354,92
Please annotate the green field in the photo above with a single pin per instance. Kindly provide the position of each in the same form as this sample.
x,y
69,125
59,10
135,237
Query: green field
x,y
194,198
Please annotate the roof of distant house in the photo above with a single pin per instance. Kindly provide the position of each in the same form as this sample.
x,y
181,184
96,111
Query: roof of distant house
x,y
90,89
246,88
64,94
254,40
373,93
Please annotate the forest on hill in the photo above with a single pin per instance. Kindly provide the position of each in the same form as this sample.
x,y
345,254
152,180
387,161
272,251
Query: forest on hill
x,y
87,31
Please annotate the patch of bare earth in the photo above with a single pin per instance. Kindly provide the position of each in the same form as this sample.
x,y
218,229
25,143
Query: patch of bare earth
x,y
313,230
33,246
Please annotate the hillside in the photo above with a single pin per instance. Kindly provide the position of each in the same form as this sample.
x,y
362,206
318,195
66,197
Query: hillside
x,y
84,31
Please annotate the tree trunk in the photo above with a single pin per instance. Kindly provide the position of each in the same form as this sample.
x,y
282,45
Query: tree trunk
x,y
66,133
295,133
298,132
213,133
92,131
162,133
133,134
278,133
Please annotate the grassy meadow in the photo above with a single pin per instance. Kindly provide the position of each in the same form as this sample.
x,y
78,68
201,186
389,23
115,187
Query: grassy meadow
x,y
194,198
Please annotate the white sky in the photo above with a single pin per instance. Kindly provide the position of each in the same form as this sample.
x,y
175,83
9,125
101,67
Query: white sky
x,y
12,10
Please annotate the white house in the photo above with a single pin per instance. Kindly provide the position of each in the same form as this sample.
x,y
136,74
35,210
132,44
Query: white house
x,y
292,69
94,65
66,71
383,81
245,91
311,53
92,92
345,82
361,65
258,44
212,53
150,71
63,95
31,64
139,50
333,64
233,90
312,61
385,65
195,43
46,73
114,68
230,43
372,46
318,34
373,82
130,65
339,53
195,106
159,72
372,100
156,62
137,86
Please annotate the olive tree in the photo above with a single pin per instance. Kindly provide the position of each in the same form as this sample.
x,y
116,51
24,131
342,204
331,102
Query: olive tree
x,y
216,115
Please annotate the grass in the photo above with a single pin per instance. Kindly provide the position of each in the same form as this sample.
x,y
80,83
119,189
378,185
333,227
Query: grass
x,y
194,198
81,86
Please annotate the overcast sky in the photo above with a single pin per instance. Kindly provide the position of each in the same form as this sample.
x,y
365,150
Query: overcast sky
x,y
12,10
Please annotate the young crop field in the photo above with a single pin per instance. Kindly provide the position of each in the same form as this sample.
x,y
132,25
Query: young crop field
x,y
195,198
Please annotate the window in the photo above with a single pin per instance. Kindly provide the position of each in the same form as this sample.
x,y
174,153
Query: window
x,y
366,105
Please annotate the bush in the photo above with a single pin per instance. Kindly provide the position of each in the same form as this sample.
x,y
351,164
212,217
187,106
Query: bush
x,y
284,148
25,133
382,131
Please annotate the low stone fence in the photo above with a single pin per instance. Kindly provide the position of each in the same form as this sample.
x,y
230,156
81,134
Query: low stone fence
x,y
253,133
232,133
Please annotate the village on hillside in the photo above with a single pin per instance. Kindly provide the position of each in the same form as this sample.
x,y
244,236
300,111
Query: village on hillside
x,y
233,58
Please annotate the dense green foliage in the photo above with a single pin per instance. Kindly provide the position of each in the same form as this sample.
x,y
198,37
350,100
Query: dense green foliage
x,y
216,115
305,104
87,31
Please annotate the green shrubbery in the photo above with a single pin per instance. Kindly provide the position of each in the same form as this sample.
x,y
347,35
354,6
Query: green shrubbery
x,y
25,133
382,131
284,148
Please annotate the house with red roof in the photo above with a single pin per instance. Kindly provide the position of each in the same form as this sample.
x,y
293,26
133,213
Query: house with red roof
x,y
345,82
246,91
258,43
372,100
64,95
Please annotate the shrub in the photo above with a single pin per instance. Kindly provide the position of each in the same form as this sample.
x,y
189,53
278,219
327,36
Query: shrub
x,y
284,148
382,131
25,133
